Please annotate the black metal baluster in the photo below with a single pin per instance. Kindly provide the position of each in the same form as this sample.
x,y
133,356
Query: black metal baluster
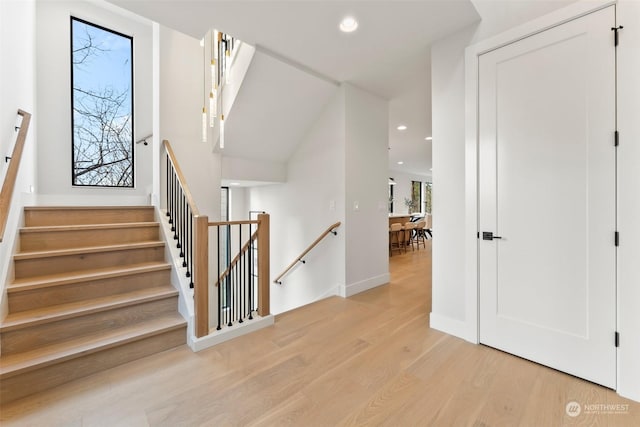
x,y
230,305
218,277
251,272
167,190
174,209
191,254
239,274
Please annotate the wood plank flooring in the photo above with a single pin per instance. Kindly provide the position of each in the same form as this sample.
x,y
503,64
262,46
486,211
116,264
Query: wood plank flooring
x,y
368,360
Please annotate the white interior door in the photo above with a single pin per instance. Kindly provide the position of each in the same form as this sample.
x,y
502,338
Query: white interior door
x,y
547,187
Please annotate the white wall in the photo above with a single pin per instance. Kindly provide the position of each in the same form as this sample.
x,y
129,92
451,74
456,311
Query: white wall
x,y
447,86
17,91
239,204
181,99
402,189
448,82
241,169
54,101
628,200
311,200
366,180
448,107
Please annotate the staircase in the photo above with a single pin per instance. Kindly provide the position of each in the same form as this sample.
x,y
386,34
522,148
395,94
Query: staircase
x,y
91,291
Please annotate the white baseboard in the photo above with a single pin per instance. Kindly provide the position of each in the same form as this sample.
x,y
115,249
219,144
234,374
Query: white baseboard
x,y
346,291
455,327
227,334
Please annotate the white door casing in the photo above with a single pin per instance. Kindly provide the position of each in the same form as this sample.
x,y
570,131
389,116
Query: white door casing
x,y
546,175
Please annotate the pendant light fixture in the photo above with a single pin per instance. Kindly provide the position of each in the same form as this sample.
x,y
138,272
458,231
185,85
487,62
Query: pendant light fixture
x,y
213,98
204,91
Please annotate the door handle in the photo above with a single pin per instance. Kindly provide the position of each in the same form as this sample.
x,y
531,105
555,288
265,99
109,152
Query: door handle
x,y
488,235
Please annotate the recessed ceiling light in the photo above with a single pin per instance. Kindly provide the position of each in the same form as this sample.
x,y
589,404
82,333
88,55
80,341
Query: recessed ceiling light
x,y
402,127
348,24
401,163
429,138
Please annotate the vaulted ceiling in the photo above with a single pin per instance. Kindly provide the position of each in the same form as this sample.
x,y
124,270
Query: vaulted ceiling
x,y
388,55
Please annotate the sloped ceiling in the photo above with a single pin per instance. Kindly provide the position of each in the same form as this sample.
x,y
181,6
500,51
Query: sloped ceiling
x,y
274,108
388,55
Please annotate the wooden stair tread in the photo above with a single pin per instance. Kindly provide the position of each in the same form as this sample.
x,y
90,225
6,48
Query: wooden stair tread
x,y
34,359
63,228
29,283
86,250
54,313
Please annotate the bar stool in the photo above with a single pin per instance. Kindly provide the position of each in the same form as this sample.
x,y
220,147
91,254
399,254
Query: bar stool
x,y
410,231
419,236
396,238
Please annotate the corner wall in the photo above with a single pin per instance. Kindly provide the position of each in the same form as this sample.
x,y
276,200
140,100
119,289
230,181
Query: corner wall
x,y
311,200
366,180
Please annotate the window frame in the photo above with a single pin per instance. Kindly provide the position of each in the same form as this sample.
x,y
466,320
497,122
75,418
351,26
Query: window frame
x,y
132,96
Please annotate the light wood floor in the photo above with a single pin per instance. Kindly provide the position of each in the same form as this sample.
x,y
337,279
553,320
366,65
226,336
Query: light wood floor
x,y
367,360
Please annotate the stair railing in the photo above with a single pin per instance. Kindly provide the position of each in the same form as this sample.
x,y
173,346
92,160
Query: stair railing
x,y
181,211
12,171
243,286
301,259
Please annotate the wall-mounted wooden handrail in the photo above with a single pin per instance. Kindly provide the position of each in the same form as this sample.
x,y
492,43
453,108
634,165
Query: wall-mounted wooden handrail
x,y
12,171
306,251
181,178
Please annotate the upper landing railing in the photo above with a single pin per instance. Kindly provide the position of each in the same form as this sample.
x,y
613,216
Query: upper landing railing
x,y
241,280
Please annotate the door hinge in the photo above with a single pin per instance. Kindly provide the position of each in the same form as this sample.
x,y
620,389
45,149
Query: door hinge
x,y
617,238
616,138
617,339
478,235
615,31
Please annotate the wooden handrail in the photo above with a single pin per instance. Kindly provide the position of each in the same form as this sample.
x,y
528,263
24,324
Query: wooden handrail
x,y
219,223
181,178
237,257
306,251
12,172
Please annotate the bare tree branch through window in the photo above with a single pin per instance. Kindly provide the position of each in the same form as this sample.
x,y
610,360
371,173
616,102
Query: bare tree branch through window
x,y
102,106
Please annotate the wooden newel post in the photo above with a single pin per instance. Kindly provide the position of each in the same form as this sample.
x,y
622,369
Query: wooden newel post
x,y
201,276
263,265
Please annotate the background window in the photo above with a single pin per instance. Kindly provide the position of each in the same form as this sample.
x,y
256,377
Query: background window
x,y
102,106
416,196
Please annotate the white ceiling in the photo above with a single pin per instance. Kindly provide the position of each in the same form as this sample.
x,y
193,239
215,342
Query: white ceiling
x,y
388,55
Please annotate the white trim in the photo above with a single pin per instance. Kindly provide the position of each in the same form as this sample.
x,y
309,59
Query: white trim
x,y
572,11
451,326
346,291
226,334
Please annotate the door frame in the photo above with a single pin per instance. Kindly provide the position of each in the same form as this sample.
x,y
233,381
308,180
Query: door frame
x,y
573,11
